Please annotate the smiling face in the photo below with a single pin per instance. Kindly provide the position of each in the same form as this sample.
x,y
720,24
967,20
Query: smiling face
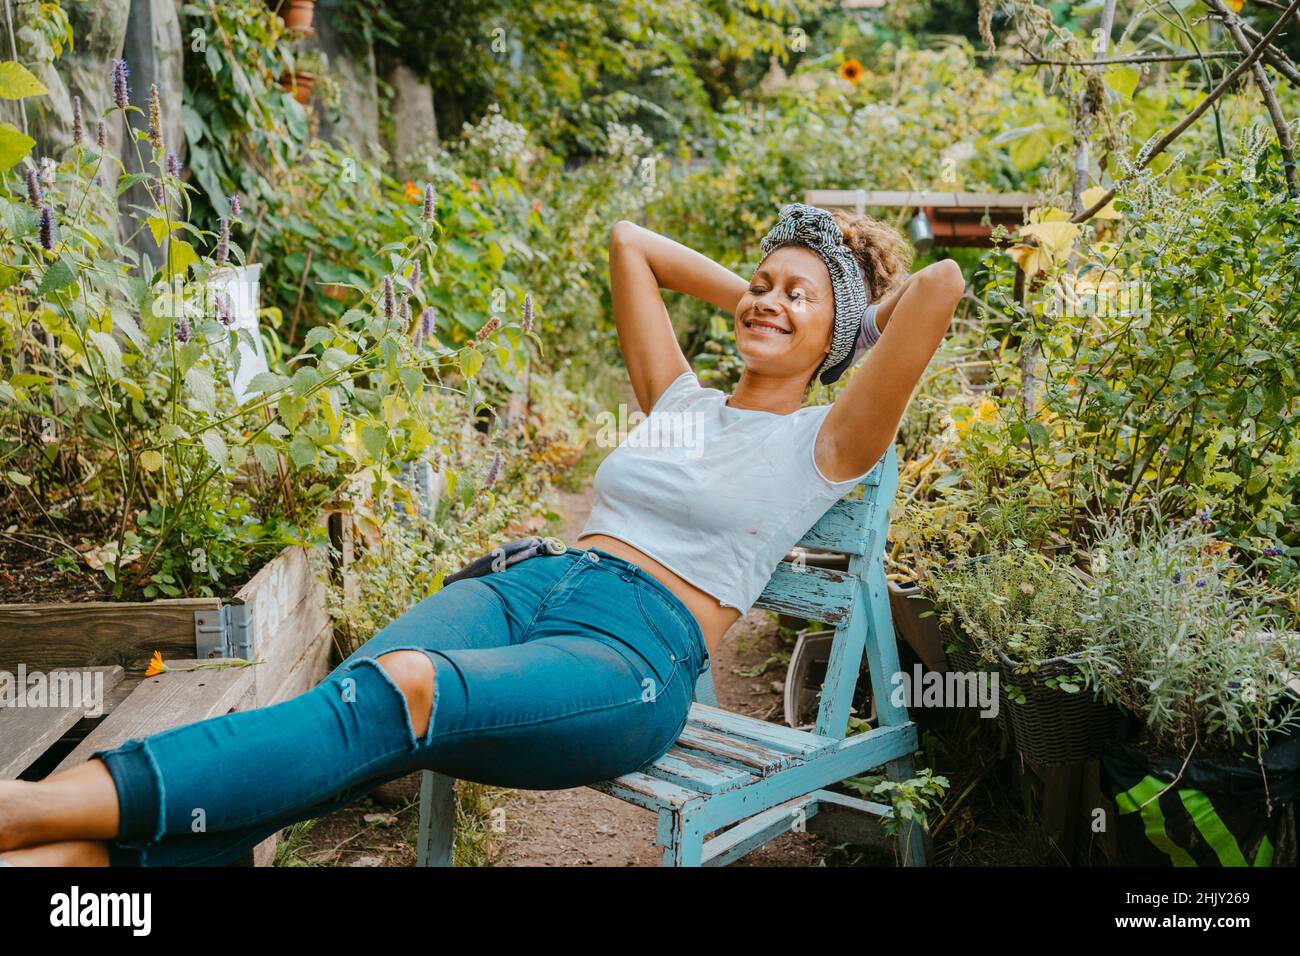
x,y
784,319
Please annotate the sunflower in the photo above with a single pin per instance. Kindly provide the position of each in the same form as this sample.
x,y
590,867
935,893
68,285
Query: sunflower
x,y
850,70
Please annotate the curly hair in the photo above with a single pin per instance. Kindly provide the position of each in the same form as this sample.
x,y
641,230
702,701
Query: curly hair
x,y
881,250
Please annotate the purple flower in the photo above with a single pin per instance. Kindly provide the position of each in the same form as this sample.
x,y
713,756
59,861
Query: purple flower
x,y
47,228
390,299
405,312
494,472
34,194
78,126
223,310
428,202
1273,551
528,312
121,92
159,194
236,206
425,327
1178,576
173,165
1200,582
1204,515
414,282
182,329
223,244
155,117
101,136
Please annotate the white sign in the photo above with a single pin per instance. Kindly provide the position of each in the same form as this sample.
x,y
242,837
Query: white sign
x,y
241,283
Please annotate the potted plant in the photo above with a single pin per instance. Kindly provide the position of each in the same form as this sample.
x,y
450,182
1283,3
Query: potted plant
x,y
299,16
1212,779
307,68
1022,613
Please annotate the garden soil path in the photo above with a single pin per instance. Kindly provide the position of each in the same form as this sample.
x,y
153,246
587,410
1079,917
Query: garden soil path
x,y
578,827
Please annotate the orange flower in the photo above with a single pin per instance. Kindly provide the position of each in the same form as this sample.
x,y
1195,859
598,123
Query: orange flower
x,y
413,192
473,186
537,205
851,70
1235,5
156,665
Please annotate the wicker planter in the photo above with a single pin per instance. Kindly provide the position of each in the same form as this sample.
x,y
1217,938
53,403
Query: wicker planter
x,y
965,661
1053,726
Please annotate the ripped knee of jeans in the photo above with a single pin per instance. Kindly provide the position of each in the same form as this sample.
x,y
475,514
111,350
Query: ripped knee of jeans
x,y
412,673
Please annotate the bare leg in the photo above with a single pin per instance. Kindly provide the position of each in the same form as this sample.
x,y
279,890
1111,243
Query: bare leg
x,y
81,803
77,803
68,853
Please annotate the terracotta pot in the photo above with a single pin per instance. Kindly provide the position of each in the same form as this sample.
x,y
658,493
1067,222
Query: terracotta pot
x,y
299,84
299,15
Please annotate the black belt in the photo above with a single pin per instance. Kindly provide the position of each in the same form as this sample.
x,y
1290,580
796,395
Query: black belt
x,y
512,552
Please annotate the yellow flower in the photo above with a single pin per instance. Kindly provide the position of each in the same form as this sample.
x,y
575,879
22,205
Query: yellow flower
x,y
1055,242
1234,5
156,665
850,70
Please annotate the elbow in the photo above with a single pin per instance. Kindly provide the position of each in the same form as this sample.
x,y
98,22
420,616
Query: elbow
x,y
946,281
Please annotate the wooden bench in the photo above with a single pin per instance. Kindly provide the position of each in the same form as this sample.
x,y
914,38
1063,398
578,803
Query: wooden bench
x,y
29,735
757,778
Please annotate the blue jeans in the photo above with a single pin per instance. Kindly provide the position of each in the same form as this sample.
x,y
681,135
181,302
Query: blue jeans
x,y
561,670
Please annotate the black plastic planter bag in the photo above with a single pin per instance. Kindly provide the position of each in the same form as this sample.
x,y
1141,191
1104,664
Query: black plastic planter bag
x,y
1216,815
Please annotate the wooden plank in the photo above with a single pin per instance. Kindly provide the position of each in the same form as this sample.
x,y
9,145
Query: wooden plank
x,y
167,700
775,736
853,198
310,669
749,835
647,791
50,636
287,610
699,773
845,527
27,732
746,753
818,594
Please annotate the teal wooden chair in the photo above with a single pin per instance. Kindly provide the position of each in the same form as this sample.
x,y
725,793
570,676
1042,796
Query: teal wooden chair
x,y
753,777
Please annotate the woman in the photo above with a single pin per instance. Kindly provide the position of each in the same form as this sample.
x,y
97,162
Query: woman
x,y
560,670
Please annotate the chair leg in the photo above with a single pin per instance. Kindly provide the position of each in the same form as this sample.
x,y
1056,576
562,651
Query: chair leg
x,y
437,827
913,839
685,846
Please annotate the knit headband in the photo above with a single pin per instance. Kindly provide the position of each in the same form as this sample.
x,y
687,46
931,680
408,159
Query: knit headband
x,y
803,225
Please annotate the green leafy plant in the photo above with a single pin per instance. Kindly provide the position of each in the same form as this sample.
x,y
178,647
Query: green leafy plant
x,y
1179,644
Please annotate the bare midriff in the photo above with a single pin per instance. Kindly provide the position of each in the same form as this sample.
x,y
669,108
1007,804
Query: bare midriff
x,y
713,618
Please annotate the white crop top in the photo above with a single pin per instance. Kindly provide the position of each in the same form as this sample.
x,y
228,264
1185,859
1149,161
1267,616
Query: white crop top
x,y
717,495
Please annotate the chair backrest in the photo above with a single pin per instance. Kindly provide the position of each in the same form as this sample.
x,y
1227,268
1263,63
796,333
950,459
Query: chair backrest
x,y
855,602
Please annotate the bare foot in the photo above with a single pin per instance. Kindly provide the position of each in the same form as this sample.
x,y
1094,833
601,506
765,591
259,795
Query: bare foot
x,y
67,853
